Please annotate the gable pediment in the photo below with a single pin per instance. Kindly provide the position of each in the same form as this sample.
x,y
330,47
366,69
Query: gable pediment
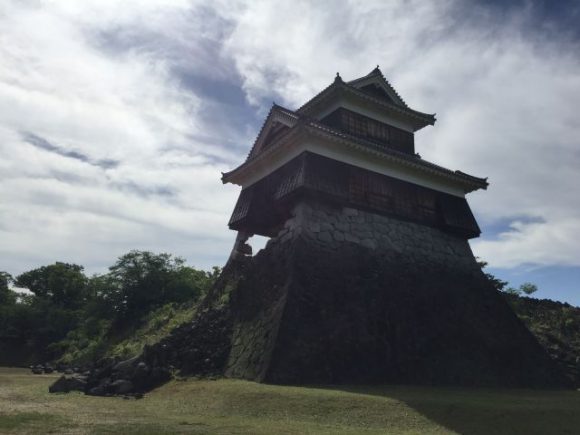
x,y
377,91
377,86
278,122
373,95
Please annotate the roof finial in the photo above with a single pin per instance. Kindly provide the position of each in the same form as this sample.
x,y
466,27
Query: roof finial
x,y
338,78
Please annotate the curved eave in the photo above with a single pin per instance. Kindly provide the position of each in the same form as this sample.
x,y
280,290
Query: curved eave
x,y
467,182
420,119
287,138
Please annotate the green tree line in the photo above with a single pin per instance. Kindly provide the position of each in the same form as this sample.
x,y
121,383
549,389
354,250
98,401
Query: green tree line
x,y
63,303
527,288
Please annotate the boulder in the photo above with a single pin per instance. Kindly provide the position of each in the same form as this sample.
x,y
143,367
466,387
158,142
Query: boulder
x,y
125,367
65,383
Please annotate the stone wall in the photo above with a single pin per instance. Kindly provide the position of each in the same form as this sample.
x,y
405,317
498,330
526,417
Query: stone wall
x,y
342,296
257,305
329,228
345,296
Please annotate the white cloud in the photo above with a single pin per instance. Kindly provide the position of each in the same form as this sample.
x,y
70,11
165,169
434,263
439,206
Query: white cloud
x,y
538,243
295,48
111,80
59,84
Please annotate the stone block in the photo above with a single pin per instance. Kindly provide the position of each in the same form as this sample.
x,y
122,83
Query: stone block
x,y
363,234
338,236
325,226
369,243
314,227
349,237
325,237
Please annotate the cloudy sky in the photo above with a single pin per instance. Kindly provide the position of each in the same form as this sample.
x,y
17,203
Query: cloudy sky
x,y
117,117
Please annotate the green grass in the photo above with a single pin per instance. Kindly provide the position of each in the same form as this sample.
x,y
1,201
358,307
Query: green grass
x,y
239,407
82,347
31,421
155,326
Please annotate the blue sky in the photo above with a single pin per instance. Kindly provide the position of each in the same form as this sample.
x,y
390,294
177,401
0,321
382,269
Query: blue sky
x,y
117,117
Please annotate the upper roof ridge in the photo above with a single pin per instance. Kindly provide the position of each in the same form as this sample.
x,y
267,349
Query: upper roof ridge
x,y
376,72
393,100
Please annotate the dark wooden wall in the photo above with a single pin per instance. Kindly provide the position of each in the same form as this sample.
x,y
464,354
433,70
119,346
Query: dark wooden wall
x,y
367,128
264,206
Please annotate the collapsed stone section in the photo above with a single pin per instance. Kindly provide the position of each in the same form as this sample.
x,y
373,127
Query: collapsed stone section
x,y
341,295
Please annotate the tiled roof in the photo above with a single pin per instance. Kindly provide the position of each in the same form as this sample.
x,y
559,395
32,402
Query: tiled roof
x,y
378,73
315,127
339,84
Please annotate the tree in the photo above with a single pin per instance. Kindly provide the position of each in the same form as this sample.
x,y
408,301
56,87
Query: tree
x,y
62,300
141,280
528,288
8,306
63,284
7,296
497,283
512,291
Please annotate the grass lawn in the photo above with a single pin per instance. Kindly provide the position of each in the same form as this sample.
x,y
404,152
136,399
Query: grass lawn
x,y
239,407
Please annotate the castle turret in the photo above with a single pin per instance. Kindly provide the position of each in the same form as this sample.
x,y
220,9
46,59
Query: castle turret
x,y
352,145
368,275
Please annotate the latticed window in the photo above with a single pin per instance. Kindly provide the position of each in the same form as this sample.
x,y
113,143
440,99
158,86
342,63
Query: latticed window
x,y
362,126
370,129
